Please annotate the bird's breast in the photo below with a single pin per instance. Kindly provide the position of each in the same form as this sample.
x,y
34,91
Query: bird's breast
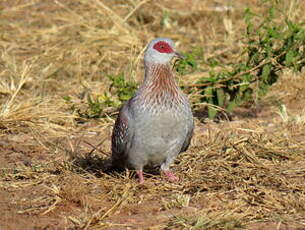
x,y
163,126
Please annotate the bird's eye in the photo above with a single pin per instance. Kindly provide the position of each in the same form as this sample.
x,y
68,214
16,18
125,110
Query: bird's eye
x,y
163,47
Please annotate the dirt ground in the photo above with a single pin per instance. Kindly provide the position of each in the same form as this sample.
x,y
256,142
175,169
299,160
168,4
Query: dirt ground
x,y
40,192
247,173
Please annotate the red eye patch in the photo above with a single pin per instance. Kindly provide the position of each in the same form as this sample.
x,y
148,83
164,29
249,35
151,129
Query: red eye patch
x,y
163,47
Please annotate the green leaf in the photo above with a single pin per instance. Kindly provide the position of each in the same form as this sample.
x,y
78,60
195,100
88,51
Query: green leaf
x,y
67,98
266,72
289,57
231,106
220,97
246,77
212,112
209,91
244,87
187,65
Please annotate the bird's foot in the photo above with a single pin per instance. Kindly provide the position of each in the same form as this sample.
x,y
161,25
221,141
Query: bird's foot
x,y
170,176
140,176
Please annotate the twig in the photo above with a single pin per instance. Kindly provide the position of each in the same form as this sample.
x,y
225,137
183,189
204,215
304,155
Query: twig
x,y
96,147
239,74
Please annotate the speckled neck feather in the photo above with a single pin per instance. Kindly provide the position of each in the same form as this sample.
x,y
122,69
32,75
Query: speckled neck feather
x,y
159,88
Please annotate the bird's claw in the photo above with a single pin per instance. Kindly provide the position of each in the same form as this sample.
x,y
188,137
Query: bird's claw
x,y
170,176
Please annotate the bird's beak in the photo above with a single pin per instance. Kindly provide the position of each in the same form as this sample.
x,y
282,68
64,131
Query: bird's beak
x,y
179,55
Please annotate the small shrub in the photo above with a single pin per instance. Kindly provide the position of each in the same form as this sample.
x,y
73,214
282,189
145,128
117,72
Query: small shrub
x,y
269,48
123,89
96,107
189,64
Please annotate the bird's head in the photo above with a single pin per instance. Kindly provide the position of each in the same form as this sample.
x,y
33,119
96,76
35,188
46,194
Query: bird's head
x,y
161,51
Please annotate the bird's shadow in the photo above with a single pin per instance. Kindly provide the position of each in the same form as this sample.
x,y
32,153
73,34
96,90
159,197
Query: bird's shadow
x,y
91,163
100,165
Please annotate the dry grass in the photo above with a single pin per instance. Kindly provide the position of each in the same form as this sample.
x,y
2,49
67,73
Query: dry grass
x,y
54,169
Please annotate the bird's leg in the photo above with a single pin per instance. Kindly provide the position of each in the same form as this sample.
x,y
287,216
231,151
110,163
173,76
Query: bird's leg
x,y
170,175
140,176
165,169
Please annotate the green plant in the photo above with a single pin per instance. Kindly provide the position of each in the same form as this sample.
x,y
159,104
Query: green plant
x,y
96,107
189,63
124,89
269,48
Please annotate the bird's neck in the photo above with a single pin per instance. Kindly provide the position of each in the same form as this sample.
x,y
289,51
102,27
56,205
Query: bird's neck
x,y
159,86
159,77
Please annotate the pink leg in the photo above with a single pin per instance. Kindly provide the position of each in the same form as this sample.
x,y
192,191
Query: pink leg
x,y
140,175
170,176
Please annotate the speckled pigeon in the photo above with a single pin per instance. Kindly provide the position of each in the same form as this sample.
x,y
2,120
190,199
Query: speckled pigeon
x,y
156,124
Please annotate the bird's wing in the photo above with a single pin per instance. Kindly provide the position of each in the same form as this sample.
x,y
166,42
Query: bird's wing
x,y
122,136
188,138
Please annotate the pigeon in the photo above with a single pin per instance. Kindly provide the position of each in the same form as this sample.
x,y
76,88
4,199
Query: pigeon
x,y
156,124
